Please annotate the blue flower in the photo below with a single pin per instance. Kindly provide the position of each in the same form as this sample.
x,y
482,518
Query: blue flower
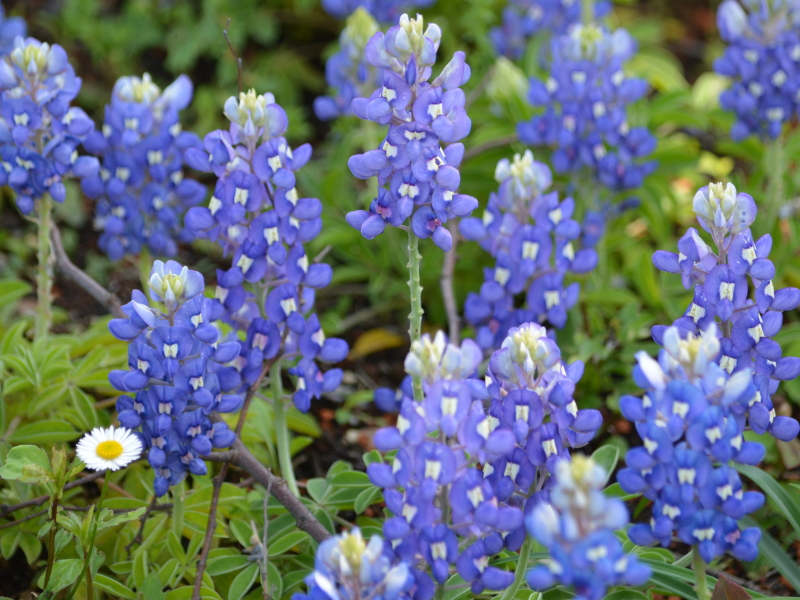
x,y
585,102
762,60
422,115
576,525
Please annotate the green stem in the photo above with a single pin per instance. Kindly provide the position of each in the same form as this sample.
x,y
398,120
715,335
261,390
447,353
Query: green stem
x,y
44,278
521,571
51,542
700,586
145,266
90,550
281,429
587,11
415,289
776,170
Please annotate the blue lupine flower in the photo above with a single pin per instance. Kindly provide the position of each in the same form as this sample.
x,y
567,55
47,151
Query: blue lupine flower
x,y
347,73
141,190
733,288
346,566
514,425
385,11
576,524
762,59
421,115
258,217
39,132
584,102
691,421
178,372
524,19
535,242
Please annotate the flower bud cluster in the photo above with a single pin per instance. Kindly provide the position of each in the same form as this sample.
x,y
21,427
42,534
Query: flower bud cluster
x,y
39,131
584,103
533,238
257,215
179,373
576,523
471,454
733,287
414,173
763,61
141,189
524,19
347,73
346,566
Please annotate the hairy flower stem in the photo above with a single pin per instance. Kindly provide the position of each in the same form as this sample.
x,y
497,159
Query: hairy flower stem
x,y
44,278
51,541
89,550
776,170
522,569
700,586
281,428
415,289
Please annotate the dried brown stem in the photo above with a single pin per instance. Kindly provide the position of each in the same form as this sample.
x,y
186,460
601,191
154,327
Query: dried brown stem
x,y
66,266
7,510
241,457
235,56
212,525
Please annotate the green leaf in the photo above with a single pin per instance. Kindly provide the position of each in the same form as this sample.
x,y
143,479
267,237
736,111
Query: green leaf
x,y
274,581
626,595
12,290
243,582
65,572
48,431
140,570
108,519
607,457
113,587
185,593
152,588
226,564
366,499
350,479
775,555
285,543
316,488
175,548
28,464
31,546
774,492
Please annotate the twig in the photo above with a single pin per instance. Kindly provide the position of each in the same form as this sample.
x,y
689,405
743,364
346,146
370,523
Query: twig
x,y
241,457
446,283
66,266
23,519
235,56
496,143
212,525
7,510
138,537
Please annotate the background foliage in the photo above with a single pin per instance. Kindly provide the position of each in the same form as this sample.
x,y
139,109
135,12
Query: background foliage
x,y
52,394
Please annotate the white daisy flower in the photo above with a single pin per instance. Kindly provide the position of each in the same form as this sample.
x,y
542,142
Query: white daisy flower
x,y
103,449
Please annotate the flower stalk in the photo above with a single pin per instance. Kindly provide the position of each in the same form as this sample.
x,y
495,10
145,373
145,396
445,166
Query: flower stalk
x,y
282,429
415,290
44,278
522,568
89,550
699,565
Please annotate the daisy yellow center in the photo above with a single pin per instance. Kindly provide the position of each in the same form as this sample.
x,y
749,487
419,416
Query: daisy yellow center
x,y
109,450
